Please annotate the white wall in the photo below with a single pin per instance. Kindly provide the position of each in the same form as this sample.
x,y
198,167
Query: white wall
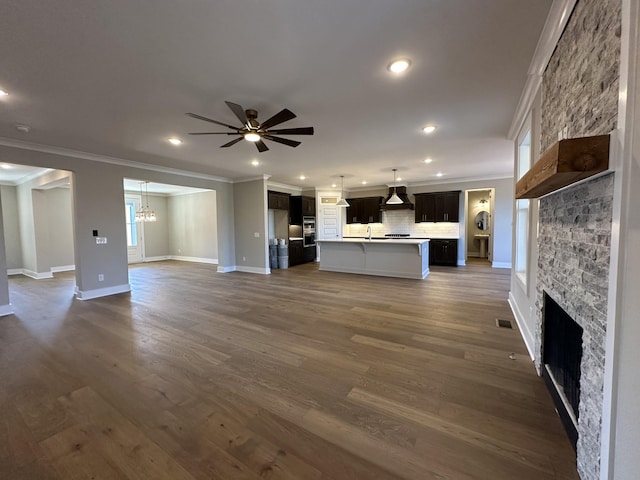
x,y
252,252
156,234
59,227
193,225
11,224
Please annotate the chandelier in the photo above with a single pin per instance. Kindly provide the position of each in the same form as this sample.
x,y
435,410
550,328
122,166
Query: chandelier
x,y
145,214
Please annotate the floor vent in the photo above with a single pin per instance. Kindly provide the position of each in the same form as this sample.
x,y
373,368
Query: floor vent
x,y
503,323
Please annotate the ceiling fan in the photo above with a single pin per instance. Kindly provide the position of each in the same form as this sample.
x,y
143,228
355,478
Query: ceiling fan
x,y
254,131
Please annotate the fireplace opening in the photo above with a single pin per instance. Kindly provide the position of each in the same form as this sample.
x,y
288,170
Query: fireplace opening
x,y
562,356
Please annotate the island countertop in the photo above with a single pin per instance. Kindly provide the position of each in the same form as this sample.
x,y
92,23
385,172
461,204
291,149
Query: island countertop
x,y
393,257
407,241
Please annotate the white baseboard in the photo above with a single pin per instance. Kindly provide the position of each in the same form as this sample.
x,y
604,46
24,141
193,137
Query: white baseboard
x,y
263,271
14,271
36,275
522,325
462,263
63,268
157,259
226,269
213,261
6,310
102,292
501,264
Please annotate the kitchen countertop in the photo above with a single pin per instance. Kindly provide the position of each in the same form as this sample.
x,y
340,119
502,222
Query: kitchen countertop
x,y
396,241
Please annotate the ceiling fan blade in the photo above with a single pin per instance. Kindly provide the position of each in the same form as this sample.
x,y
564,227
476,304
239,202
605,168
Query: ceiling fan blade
x,y
292,131
261,146
232,142
280,117
238,112
213,133
285,141
200,117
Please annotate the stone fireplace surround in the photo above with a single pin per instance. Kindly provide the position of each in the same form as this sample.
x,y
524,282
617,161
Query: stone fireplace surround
x,y
573,268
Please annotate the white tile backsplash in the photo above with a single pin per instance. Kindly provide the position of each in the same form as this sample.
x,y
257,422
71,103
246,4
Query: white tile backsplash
x,y
403,221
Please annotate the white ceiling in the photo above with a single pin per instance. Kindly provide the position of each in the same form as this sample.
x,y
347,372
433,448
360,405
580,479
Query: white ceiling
x,y
115,78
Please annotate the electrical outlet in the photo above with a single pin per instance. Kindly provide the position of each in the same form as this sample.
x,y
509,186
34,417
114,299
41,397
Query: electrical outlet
x,y
101,277
244,259
256,234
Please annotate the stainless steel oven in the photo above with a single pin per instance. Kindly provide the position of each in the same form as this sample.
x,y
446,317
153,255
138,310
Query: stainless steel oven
x,y
308,231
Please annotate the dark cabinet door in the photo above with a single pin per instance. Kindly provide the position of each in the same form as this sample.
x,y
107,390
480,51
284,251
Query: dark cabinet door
x,y
308,206
437,207
277,200
450,206
364,210
354,210
296,252
295,211
443,252
309,254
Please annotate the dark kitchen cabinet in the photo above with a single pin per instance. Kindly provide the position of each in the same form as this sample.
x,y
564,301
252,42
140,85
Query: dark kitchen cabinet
x,y
308,206
301,207
309,254
296,252
443,251
364,210
437,207
277,200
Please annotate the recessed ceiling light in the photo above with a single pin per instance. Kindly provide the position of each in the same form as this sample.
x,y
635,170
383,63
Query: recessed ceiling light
x,y
3,93
400,65
399,178
363,182
302,177
428,160
175,141
429,129
255,163
439,174
23,128
6,167
333,185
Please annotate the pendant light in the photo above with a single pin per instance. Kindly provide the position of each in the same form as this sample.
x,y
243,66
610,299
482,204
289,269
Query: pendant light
x,y
145,214
394,199
341,201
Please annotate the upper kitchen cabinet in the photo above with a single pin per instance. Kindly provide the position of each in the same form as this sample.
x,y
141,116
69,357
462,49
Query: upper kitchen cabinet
x,y
301,206
278,200
437,207
364,210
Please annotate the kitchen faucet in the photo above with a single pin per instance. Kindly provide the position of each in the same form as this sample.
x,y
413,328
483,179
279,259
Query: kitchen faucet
x,y
369,231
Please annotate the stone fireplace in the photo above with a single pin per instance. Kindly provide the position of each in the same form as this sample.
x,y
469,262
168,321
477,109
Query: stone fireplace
x,y
573,269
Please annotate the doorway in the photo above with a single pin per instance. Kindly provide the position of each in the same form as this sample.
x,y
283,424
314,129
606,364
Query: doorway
x,y
479,224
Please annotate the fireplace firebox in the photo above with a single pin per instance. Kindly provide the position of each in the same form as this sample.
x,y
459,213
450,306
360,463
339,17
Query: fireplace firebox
x,y
562,356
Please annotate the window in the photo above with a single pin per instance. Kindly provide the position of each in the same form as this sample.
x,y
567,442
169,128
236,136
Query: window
x,y
523,163
130,218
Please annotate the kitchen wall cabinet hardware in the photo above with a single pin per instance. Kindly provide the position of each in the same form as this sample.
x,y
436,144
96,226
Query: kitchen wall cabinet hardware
x,y
364,210
301,206
277,200
437,207
443,251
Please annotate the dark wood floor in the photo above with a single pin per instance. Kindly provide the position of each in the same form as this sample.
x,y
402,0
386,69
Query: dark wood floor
x,y
301,374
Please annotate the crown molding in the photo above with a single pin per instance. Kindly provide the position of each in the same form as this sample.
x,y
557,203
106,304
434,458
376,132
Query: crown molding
x,y
284,185
253,179
557,19
442,181
66,152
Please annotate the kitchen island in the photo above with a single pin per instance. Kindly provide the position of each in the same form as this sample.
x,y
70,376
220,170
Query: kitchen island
x,y
404,258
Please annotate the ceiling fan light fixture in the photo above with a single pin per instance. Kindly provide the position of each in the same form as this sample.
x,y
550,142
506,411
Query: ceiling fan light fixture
x,y
400,65
251,136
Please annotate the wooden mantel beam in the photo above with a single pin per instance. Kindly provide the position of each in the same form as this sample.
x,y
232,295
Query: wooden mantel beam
x,y
566,162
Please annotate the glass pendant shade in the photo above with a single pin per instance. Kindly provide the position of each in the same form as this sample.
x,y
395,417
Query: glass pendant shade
x,y
145,214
